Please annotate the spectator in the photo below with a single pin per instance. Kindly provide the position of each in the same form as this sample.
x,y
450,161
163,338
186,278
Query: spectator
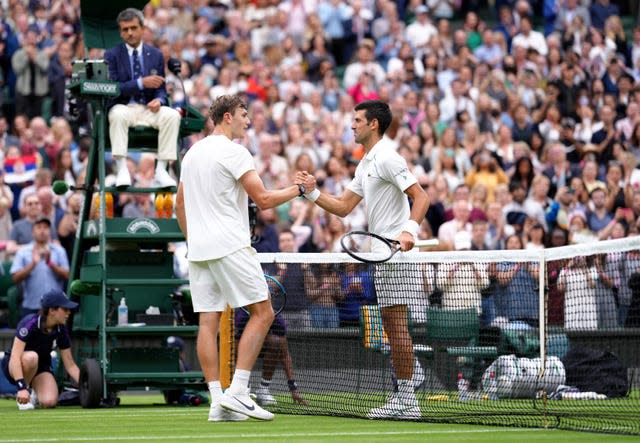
x,y
566,15
600,11
49,206
598,217
323,288
517,296
358,289
461,282
578,280
68,225
31,65
460,222
529,38
487,172
21,232
40,266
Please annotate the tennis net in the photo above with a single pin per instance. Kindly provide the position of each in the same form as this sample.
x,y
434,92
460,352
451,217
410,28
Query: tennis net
x,y
546,338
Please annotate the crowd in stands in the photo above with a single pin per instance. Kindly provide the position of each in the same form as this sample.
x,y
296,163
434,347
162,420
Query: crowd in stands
x,y
527,123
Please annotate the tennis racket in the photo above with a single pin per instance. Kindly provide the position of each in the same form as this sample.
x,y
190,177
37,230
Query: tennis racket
x,y
276,292
368,247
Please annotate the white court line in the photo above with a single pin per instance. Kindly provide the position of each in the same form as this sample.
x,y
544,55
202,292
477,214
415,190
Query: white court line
x,y
267,436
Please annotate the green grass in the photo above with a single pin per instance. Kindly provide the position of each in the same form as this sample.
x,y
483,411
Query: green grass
x,y
142,418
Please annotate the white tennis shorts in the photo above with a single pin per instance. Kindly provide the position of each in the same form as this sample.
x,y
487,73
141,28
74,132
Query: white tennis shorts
x,y
236,280
390,282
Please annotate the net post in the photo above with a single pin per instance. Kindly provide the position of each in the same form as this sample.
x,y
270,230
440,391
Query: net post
x,y
542,318
542,331
226,347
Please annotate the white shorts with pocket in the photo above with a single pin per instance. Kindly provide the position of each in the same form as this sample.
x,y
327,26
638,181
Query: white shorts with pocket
x,y
236,280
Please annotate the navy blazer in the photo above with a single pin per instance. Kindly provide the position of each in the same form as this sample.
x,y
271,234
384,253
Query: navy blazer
x,y
119,64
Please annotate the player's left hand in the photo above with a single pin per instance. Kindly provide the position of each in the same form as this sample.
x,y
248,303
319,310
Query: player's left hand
x,y
297,398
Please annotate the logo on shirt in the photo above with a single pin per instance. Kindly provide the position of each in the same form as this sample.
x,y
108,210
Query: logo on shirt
x,y
23,332
404,173
143,224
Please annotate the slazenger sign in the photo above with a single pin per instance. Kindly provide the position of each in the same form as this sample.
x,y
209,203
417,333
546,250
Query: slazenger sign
x,y
143,224
99,88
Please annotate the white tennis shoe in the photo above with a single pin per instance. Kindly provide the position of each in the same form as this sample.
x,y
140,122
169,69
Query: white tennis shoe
x,y
264,397
397,408
217,413
242,403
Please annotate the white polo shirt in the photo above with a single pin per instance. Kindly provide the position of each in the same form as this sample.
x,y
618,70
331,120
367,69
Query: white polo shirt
x,y
381,179
216,204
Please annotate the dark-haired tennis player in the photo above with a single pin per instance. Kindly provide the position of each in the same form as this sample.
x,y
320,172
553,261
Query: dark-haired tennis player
x,y
217,177
383,180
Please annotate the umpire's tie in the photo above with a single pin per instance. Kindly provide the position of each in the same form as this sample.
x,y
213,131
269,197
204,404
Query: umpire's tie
x,y
137,73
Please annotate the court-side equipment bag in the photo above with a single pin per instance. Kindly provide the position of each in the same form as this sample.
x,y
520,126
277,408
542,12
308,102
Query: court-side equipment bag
x,y
597,371
520,377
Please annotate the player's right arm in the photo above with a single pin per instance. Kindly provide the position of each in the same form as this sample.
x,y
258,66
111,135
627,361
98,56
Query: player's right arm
x,y
338,205
265,199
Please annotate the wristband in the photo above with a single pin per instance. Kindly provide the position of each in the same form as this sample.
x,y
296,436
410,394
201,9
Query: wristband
x,y
313,195
412,227
292,385
21,384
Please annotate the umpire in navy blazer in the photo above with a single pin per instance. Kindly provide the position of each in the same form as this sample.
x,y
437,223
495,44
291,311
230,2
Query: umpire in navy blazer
x,y
139,69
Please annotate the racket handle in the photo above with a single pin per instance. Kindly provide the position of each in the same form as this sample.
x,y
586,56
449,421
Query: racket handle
x,y
428,242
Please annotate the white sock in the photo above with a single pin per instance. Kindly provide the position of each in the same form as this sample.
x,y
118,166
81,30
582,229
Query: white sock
x,y
215,389
121,163
161,165
240,382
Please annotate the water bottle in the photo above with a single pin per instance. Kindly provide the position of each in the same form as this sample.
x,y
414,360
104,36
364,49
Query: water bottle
x,y
463,387
492,387
123,313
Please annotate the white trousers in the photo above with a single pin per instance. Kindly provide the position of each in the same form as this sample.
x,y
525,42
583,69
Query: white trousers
x,y
166,121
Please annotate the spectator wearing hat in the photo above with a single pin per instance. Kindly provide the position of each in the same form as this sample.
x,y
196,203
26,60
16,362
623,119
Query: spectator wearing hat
x,y
215,51
421,30
27,365
39,267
